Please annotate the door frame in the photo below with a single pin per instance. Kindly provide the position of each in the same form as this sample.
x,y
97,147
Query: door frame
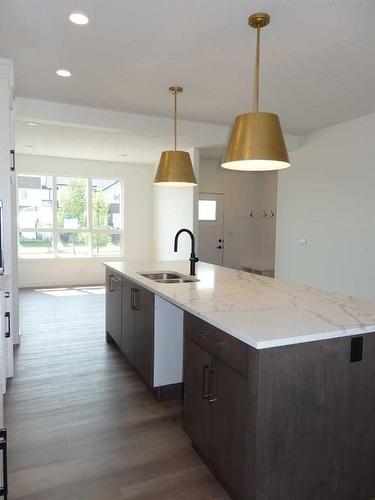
x,y
215,193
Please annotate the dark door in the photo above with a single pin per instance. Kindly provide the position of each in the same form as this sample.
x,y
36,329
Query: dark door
x,y
197,365
228,396
128,319
113,306
143,304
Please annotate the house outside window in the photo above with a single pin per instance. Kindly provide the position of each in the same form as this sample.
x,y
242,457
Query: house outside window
x,y
66,216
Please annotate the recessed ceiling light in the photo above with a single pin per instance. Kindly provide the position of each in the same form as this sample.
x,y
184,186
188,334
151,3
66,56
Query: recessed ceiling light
x,y
32,124
29,146
78,18
124,154
154,137
64,73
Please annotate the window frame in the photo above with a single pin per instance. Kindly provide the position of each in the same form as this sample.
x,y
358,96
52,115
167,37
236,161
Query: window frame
x,y
56,231
207,220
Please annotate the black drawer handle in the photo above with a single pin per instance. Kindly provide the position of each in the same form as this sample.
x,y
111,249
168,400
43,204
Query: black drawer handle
x,y
3,448
215,342
205,384
133,302
12,160
112,279
211,398
7,333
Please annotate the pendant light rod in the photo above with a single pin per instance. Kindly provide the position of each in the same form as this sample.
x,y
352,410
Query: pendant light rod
x,y
257,21
175,120
256,82
175,89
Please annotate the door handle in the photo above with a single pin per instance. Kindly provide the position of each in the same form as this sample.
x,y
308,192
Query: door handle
x,y
12,160
7,333
205,385
112,279
211,398
3,448
133,303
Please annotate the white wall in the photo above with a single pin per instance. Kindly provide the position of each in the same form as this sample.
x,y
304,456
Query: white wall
x,y
328,196
174,209
247,240
138,220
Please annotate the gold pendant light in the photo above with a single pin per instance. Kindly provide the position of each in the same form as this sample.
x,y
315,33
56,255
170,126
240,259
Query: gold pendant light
x,y
256,142
175,167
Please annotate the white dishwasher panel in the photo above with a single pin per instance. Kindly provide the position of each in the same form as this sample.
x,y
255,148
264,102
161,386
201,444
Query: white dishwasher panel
x,y
168,343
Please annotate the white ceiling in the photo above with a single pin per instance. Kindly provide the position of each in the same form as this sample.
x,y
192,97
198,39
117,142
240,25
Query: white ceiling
x,y
318,56
92,143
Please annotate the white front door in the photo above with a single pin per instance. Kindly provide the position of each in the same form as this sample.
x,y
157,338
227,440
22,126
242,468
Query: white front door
x,y
211,227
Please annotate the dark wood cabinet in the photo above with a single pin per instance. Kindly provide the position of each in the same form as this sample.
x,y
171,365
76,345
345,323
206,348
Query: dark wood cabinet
x,y
214,411
113,306
196,414
143,304
128,320
228,425
282,423
130,323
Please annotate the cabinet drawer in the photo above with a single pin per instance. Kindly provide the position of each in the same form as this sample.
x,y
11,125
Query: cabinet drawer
x,y
228,349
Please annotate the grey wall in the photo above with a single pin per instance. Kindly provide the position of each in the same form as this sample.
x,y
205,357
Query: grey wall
x,y
247,240
328,197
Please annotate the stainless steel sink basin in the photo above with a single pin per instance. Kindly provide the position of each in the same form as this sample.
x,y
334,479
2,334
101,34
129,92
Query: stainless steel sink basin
x,y
169,277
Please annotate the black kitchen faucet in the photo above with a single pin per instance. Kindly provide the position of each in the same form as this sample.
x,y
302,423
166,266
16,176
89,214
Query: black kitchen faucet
x,y
193,259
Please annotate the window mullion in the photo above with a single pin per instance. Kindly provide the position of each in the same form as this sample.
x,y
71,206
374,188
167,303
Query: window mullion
x,y
122,222
89,214
54,215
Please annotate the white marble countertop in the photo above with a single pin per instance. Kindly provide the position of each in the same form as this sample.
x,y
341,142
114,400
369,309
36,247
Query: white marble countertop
x,y
261,311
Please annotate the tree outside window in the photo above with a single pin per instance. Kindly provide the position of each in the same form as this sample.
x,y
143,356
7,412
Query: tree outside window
x,y
100,213
57,217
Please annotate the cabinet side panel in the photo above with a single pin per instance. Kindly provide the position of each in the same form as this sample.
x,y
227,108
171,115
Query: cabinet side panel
x,y
316,422
168,343
250,477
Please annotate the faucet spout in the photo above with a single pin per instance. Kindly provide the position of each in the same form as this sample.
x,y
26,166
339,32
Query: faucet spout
x,y
193,258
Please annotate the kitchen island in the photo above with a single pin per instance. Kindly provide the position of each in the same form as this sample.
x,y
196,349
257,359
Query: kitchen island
x,y
278,379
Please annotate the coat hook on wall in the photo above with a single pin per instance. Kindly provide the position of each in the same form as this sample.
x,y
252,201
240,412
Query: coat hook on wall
x,y
251,213
272,213
264,214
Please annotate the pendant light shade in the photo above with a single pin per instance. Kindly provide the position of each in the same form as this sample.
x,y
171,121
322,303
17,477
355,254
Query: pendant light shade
x,y
256,141
256,144
175,167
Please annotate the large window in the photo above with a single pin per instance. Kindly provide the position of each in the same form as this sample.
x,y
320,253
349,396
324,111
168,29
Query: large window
x,y
69,216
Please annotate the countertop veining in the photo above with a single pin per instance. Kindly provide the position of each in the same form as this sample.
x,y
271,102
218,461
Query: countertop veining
x,y
261,311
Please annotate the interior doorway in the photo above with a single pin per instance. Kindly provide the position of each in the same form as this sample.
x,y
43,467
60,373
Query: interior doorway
x,y
211,227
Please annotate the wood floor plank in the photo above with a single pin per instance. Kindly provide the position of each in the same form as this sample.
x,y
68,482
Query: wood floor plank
x,y
82,425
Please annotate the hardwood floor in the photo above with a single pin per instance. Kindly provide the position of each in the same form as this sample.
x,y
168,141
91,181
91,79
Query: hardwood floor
x,y
82,426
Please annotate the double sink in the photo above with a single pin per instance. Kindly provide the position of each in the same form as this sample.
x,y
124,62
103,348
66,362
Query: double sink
x,y
169,277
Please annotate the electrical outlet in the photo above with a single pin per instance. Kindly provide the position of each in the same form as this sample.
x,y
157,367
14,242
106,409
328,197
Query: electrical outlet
x,y
302,241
